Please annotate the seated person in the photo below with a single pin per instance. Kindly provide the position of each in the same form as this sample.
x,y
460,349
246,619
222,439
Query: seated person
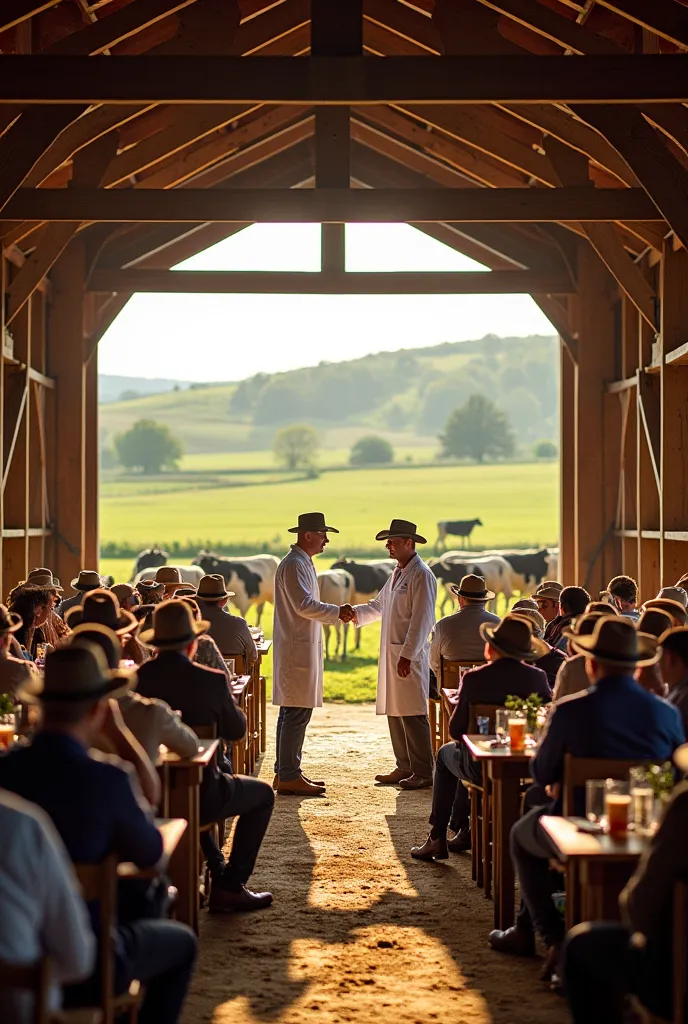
x,y
171,579
151,721
655,622
207,652
43,914
103,607
674,669
88,579
14,672
93,803
54,629
508,647
572,677
546,599
230,632
623,591
572,602
202,696
128,597
603,962
615,718
33,605
552,660
457,637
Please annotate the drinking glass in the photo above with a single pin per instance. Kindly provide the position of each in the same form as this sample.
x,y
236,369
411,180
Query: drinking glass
x,y
595,790
6,730
502,726
643,800
230,663
517,730
483,723
617,804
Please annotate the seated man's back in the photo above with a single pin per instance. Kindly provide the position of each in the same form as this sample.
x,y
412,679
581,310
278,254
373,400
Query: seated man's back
x,y
492,684
457,637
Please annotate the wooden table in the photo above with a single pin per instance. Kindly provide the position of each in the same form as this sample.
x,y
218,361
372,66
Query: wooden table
x,y
183,783
171,830
503,770
598,867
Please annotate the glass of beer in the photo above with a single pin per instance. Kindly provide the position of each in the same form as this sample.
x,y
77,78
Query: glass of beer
x,y
517,730
617,804
643,800
7,725
502,726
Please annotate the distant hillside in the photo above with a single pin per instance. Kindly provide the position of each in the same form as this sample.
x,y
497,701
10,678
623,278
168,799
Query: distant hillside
x,y
405,394
111,388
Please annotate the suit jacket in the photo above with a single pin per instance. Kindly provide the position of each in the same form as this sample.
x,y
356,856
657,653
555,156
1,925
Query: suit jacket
x,y
616,718
230,632
457,637
203,697
550,664
492,684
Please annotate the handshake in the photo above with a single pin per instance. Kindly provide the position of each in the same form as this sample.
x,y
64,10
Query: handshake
x,y
346,613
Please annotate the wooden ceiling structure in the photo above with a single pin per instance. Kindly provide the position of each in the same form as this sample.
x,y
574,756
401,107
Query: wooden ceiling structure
x,y
547,139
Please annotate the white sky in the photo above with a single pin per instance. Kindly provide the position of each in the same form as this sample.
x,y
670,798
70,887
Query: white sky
x,y
229,337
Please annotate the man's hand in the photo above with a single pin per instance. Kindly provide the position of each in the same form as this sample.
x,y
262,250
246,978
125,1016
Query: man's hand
x,y
553,790
404,668
346,613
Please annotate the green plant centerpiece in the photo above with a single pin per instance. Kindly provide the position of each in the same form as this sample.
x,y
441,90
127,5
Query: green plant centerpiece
x,y
662,779
530,706
7,705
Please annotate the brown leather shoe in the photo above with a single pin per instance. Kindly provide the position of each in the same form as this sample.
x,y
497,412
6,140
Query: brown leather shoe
x,y
432,849
315,782
416,782
516,941
299,787
461,842
393,778
230,901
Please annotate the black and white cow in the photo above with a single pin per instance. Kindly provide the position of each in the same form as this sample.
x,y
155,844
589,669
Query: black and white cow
x,y
336,587
462,528
151,558
369,579
251,578
450,569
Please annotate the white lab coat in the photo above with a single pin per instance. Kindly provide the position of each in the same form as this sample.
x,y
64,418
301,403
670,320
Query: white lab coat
x,y
406,605
297,679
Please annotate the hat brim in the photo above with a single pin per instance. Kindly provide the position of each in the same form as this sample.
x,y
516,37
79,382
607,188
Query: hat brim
x,y
649,652
46,586
538,648
117,682
487,595
320,529
386,534
83,589
547,595
126,622
175,643
16,623
214,597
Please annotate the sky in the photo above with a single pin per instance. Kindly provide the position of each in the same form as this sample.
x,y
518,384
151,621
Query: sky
x,y
230,337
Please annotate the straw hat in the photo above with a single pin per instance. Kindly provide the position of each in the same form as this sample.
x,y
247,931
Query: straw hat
x,y
44,578
532,615
674,608
88,579
473,588
401,528
675,594
212,588
9,621
173,626
170,576
615,641
312,522
513,638
78,672
102,607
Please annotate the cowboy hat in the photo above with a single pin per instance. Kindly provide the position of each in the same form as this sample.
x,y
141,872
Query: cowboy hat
x,y
102,606
533,617
169,576
43,578
513,638
524,602
110,645
212,588
185,591
584,624
9,621
88,579
149,588
548,592
78,672
674,608
401,528
173,626
615,641
123,592
655,621
312,522
674,594
473,589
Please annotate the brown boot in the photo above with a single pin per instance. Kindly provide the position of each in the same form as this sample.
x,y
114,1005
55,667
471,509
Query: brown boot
x,y
416,782
315,782
299,787
432,849
393,778
230,901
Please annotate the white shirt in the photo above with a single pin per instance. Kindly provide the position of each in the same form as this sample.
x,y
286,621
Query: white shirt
x,y
43,913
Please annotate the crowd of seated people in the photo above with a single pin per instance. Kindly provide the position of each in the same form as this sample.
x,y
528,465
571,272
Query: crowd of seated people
x,y
107,689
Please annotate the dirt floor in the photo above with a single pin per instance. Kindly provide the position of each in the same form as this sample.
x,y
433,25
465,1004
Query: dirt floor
x,y
359,931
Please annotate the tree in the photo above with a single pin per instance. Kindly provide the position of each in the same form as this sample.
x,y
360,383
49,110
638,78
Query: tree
x,y
477,429
148,446
296,446
545,450
371,450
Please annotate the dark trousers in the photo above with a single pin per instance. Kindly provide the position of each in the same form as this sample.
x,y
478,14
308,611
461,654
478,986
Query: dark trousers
x,y
159,954
601,966
411,743
451,802
251,801
290,734
530,853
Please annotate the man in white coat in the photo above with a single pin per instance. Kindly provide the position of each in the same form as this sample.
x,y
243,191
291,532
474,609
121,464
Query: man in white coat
x,y
406,605
297,685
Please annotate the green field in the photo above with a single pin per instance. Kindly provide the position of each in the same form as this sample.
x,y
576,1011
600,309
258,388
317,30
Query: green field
x,y
516,502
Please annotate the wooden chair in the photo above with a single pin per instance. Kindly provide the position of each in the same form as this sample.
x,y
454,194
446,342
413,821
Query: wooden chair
x,y
35,979
577,771
451,674
481,810
209,732
99,885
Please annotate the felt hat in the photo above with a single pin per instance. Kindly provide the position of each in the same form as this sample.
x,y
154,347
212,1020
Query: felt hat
x,y
524,602
78,672
513,638
473,588
401,528
602,607
186,590
43,578
532,615
674,608
584,624
548,592
212,588
123,591
170,577
675,594
9,621
312,522
110,645
173,626
655,621
616,641
88,579
102,606
149,588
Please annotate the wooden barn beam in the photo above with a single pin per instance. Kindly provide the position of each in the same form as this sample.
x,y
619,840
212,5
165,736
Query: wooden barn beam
x,y
22,145
116,27
326,205
404,22
663,17
14,12
337,283
557,314
641,78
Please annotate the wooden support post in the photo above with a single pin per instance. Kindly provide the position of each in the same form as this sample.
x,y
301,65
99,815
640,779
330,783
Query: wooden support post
x,y
66,352
567,456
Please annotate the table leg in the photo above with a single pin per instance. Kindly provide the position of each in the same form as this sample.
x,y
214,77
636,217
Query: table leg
x,y
184,870
486,830
263,686
506,806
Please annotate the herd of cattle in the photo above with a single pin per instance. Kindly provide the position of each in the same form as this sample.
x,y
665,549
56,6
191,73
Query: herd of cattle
x,y
252,578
